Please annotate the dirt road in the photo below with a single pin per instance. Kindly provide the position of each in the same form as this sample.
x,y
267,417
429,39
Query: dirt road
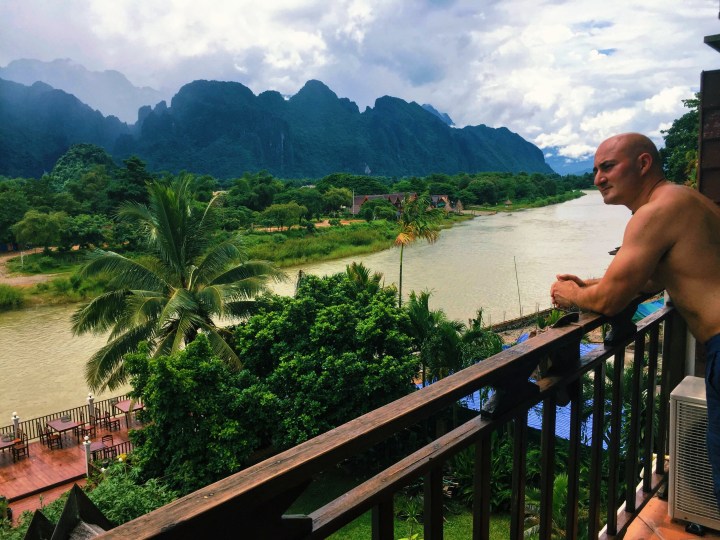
x,y
6,278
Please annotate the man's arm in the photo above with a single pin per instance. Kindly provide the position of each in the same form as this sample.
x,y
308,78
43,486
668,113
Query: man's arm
x,y
644,243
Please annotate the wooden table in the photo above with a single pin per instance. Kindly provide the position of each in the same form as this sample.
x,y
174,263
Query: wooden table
x,y
7,443
124,407
95,448
61,426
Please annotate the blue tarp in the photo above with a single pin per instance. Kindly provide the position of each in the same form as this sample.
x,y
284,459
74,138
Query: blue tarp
x,y
647,308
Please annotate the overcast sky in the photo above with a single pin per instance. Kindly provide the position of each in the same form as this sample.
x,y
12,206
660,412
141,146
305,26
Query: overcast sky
x,y
562,74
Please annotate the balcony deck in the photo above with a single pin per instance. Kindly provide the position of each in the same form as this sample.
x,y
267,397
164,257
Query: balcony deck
x,y
47,473
654,523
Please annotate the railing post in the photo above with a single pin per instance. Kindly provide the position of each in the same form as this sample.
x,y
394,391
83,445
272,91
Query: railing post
x,y
650,409
547,471
517,498
616,406
481,489
433,515
573,493
631,459
382,520
596,450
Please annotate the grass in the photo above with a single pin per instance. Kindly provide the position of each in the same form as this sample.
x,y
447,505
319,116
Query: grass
x,y
330,485
10,297
523,205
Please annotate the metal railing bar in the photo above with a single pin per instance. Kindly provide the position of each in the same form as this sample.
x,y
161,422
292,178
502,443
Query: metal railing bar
x,y
433,502
596,449
631,458
650,389
573,496
481,489
547,466
614,442
382,520
519,473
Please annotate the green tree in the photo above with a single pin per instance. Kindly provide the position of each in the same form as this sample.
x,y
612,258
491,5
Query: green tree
x,y
85,230
78,160
203,417
308,197
680,153
335,198
337,349
417,221
40,228
179,291
13,205
378,209
284,215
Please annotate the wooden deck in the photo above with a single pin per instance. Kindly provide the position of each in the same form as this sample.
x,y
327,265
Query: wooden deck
x,y
45,471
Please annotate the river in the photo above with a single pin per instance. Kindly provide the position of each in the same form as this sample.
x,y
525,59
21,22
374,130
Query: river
x,y
498,263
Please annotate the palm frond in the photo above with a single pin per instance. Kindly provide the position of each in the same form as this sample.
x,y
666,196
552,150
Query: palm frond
x,y
221,348
240,309
263,270
105,369
99,314
124,273
217,261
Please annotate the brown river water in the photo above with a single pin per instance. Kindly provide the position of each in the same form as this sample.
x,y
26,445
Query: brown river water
x,y
502,263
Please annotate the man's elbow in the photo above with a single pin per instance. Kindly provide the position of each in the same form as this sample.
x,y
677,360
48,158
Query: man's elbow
x,y
610,307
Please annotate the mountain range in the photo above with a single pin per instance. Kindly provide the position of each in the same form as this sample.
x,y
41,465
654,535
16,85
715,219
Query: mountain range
x,y
223,129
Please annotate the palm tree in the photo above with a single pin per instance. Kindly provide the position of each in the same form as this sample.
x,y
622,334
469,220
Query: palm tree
x,y
437,339
180,290
416,221
361,276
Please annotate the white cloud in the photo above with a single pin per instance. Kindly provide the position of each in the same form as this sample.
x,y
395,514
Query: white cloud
x,y
561,73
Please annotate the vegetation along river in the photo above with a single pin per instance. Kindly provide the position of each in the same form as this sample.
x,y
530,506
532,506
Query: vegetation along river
x,y
471,266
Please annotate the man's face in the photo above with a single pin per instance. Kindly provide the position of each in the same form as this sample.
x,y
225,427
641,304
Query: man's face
x,y
616,173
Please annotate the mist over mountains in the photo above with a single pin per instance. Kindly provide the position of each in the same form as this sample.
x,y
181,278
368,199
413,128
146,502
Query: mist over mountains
x,y
223,129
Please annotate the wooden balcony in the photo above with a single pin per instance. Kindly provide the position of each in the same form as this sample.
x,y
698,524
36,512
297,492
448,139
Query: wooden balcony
x,y
253,502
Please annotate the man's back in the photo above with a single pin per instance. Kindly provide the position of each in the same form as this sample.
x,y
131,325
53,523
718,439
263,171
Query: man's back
x,y
690,269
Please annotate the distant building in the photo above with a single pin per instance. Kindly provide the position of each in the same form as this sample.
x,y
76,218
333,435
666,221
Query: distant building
x,y
396,199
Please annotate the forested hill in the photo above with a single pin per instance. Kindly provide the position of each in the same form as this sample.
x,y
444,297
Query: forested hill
x,y
223,129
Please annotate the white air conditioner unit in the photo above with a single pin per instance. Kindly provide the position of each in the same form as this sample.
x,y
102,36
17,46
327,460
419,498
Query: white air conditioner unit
x,y
690,496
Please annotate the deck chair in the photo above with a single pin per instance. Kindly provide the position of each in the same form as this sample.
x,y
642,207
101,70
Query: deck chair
x,y
42,434
20,449
111,423
53,440
88,430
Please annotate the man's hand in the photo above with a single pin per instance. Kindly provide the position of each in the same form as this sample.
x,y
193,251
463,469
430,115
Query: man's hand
x,y
571,277
562,291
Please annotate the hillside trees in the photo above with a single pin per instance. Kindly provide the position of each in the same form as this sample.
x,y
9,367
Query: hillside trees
x,y
13,205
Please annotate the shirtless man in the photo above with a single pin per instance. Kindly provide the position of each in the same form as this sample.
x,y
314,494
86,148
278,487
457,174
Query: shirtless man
x,y
671,242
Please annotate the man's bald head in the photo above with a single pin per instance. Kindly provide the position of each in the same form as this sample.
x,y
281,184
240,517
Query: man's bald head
x,y
634,145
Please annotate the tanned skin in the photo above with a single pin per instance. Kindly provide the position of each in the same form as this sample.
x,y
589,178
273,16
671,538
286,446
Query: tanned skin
x,y
671,242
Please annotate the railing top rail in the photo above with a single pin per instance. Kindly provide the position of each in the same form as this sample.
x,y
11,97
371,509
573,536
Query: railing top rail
x,y
289,469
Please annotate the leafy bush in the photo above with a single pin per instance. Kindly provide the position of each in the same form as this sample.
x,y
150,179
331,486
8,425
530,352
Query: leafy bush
x,y
121,499
10,297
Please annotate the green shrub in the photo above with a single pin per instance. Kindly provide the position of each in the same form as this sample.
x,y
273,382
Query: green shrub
x,y
122,500
10,297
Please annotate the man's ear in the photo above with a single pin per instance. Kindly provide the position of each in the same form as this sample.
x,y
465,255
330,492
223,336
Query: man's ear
x,y
645,161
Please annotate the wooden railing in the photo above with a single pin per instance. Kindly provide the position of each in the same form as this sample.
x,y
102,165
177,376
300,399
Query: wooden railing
x,y
252,503
30,427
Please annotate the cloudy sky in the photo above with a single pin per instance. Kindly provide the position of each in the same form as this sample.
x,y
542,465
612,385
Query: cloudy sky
x,y
562,74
